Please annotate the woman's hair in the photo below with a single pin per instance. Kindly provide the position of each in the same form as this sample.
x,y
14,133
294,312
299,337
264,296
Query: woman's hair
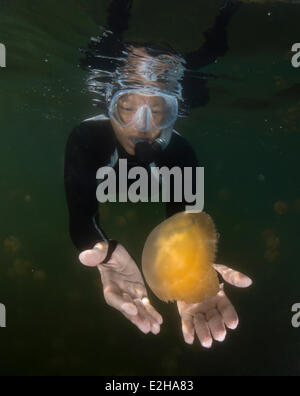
x,y
113,65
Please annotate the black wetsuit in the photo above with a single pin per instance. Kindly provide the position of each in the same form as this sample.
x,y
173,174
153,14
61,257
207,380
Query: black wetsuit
x,y
92,144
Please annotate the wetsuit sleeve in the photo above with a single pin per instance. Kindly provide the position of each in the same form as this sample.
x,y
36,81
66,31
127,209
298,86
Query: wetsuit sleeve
x,y
80,186
216,38
103,53
119,13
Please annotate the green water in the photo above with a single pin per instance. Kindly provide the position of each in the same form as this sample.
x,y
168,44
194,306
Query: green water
x,y
248,140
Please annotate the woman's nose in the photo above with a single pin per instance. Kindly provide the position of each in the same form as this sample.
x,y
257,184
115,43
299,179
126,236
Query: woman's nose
x,y
144,119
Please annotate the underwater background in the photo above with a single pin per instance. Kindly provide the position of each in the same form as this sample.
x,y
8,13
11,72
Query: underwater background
x,y
248,139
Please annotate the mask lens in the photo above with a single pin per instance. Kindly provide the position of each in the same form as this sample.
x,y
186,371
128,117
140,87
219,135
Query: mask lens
x,y
166,114
124,111
148,111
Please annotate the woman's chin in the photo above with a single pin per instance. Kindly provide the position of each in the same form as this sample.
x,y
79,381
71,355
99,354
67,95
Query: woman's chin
x,y
130,149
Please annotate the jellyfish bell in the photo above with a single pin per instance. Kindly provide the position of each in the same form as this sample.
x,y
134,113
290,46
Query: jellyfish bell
x,y
178,257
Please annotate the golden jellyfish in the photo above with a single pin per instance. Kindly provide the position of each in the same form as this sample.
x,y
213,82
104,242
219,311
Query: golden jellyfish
x,y
178,257
12,245
281,208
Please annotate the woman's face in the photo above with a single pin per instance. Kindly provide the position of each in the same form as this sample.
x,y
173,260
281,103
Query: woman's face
x,y
134,109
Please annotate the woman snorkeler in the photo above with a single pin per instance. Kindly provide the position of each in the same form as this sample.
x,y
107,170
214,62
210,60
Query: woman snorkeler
x,y
145,88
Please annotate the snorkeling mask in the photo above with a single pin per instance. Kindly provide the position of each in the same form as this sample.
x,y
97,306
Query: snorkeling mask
x,y
146,109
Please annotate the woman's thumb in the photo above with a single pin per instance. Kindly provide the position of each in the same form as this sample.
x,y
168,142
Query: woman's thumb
x,y
94,257
233,277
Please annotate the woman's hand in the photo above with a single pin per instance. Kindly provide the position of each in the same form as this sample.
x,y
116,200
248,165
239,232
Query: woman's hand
x,y
210,318
123,286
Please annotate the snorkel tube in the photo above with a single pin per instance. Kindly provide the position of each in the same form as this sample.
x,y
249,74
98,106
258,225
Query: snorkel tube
x,y
148,153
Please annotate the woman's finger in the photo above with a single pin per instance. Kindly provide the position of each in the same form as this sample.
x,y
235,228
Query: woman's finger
x,y
152,311
139,293
94,257
232,277
216,325
120,302
125,304
227,311
138,322
202,331
154,326
188,329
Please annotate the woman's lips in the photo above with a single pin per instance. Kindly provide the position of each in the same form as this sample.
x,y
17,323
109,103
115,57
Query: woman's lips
x,y
131,144
135,140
